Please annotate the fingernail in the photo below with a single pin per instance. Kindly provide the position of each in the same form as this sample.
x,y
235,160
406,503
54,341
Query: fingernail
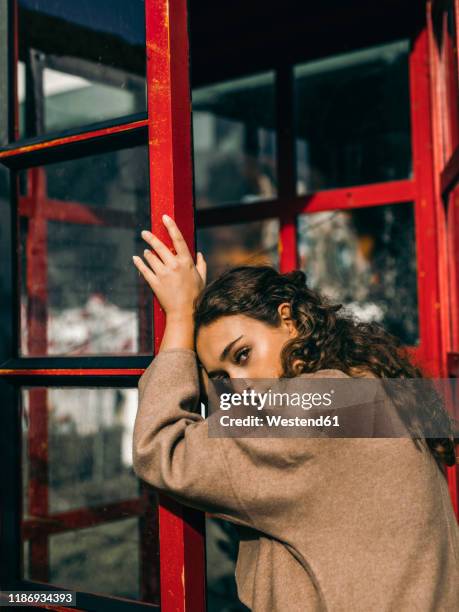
x,y
166,218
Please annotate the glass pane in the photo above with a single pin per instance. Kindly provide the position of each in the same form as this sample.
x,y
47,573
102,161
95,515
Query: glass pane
x,y
5,257
90,68
102,559
222,543
235,141
76,474
352,119
225,246
89,438
80,225
366,259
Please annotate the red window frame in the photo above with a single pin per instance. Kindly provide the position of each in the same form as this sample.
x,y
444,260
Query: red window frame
x,y
444,67
420,190
181,530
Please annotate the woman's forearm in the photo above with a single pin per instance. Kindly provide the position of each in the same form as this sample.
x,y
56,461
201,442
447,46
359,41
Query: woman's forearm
x,y
179,331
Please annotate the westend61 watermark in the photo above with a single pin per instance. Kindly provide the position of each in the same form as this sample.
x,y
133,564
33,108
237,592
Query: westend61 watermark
x,y
333,407
271,399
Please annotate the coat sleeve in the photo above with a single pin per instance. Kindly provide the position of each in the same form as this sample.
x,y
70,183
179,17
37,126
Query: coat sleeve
x,y
254,482
171,447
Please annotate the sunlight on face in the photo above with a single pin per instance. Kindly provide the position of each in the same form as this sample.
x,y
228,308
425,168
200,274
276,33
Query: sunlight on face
x,y
238,346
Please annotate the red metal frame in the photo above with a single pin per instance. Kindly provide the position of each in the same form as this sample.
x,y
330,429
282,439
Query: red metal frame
x,y
181,539
171,183
432,92
425,209
433,289
62,372
15,152
39,209
453,257
445,100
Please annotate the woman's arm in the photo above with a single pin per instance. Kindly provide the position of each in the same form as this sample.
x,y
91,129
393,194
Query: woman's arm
x,y
172,450
256,483
171,447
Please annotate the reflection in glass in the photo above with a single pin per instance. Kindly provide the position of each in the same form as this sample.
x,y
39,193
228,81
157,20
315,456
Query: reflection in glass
x,y
80,63
121,178
222,543
80,225
366,259
234,141
89,439
77,466
352,119
102,559
6,330
225,246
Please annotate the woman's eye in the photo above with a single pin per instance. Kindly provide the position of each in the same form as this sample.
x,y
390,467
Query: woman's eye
x,y
222,376
242,355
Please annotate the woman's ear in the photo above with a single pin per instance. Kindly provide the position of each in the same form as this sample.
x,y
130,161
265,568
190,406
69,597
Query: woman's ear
x,y
286,319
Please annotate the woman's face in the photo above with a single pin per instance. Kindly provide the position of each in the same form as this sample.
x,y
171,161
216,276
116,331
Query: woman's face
x,y
237,346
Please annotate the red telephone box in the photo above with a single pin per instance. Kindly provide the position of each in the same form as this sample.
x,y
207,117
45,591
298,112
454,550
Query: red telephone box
x,y
323,137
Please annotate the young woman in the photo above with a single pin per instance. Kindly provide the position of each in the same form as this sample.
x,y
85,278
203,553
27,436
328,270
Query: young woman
x,y
325,524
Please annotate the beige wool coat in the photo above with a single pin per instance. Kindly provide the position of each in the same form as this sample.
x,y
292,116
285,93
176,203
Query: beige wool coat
x,y
329,525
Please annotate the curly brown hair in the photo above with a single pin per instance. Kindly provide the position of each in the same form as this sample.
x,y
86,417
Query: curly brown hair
x,y
325,340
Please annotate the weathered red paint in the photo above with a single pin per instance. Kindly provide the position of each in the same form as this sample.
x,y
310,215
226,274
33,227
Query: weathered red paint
x,y
36,324
444,98
451,83
82,137
425,208
38,481
343,198
36,269
76,372
171,188
453,260
288,251
359,196
182,559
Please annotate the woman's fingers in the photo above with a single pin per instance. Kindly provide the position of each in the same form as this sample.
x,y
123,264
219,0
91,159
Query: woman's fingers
x,y
163,251
177,238
146,272
180,245
201,266
154,262
174,278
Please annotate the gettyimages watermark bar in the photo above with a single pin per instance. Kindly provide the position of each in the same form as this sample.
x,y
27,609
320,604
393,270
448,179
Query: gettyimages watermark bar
x,y
334,407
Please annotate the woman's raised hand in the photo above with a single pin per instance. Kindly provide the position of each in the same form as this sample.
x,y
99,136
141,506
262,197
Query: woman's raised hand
x,y
174,278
